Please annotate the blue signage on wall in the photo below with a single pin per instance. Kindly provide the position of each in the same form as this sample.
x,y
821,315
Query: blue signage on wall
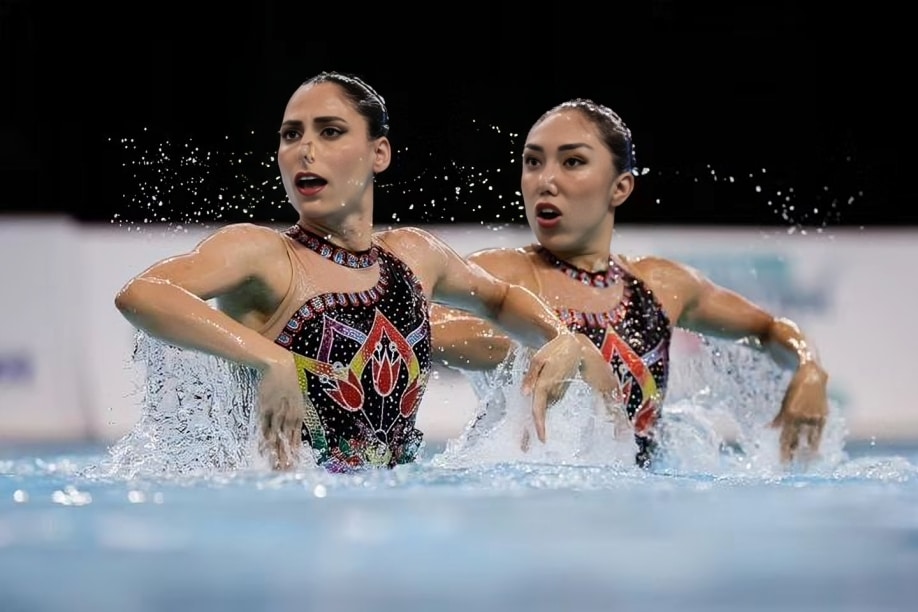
x,y
16,368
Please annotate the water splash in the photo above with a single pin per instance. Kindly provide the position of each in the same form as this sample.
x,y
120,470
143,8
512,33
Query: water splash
x,y
197,416
470,175
715,420
198,425
180,182
720,404
579,431
183,182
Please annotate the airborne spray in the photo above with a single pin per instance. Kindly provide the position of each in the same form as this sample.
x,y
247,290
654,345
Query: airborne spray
x,y
178,186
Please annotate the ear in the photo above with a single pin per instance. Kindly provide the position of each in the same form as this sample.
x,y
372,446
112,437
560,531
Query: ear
x,y
621,189
382,155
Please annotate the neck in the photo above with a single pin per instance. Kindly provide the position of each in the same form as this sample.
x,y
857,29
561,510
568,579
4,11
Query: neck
x,y
591,251
593,261
342,256
589,259
599,276
354,233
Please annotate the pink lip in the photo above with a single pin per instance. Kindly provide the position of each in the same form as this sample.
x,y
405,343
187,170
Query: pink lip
x,y
547,223
307,191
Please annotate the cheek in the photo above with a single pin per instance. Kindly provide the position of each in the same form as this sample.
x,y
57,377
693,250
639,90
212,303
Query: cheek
x,y
527,183
589,188
285,157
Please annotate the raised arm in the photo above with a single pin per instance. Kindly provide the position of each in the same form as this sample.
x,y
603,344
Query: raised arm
x,y
466,341
519,314
703,306
462,340
169,300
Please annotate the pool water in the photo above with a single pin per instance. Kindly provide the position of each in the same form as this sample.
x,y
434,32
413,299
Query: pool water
x,y
499,536
475,524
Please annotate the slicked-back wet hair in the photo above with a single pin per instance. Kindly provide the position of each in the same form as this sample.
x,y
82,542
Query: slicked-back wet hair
x,y
612,129
366,101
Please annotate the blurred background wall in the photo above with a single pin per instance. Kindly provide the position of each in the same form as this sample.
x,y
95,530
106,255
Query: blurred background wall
x,y
774,149
65,352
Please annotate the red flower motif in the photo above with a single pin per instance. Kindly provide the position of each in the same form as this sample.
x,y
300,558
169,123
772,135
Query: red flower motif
x,y
347,394
410,399
385,373
645,417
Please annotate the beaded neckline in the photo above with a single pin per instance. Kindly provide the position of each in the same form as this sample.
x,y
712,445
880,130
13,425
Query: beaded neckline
x,y
331,252
601,280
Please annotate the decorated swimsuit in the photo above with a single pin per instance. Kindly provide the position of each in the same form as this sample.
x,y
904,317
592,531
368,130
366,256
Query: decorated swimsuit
x,y
363,360
634,337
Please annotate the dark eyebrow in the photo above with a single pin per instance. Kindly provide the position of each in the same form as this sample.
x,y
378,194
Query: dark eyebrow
x,y
297,124
329,119
291,124
566,147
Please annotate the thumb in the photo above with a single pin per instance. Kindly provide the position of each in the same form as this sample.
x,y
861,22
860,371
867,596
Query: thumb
x,y
778,421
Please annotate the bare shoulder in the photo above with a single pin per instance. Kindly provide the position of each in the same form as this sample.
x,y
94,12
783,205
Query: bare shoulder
x,y
510,264
654,270
244,249
243,234
243,240
424,253
407,238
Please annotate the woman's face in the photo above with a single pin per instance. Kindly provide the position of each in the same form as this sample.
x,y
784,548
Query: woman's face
x,y
325,157
569,183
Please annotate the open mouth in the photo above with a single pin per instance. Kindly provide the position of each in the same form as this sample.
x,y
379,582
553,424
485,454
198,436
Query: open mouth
x,y
309,181
547,212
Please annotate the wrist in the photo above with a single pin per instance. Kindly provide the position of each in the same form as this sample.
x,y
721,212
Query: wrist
x,y
279,358
813,370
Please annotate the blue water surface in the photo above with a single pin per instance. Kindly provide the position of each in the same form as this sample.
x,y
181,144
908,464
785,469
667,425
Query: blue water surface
x,y
178,515
495,536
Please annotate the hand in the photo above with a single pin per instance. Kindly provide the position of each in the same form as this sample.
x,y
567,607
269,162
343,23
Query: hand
x,y
282,411
550,372
803,411
597,372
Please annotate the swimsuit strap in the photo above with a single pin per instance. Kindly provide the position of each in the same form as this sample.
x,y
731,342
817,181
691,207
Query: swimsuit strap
x,y
602,279
331,252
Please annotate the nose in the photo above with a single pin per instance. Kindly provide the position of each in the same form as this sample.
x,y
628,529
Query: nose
x,y
546,183
309,151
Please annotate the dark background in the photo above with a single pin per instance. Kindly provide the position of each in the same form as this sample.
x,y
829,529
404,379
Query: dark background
x,y
778,113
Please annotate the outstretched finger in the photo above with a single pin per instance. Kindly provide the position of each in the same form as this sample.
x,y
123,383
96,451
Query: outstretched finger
x,y
539,408
814,435
274,448
265,443
532,376
295,438
790,440
524,441
281,451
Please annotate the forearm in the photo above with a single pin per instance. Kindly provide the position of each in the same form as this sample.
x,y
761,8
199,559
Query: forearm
x,y
172,314
785,334
527,319
466,342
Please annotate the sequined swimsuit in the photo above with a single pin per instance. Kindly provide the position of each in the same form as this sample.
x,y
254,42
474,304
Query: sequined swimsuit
x,y
634,337
363,360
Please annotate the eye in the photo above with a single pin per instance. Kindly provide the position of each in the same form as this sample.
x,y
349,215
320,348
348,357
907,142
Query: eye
x,y
289,134
531,161
331,132
573,162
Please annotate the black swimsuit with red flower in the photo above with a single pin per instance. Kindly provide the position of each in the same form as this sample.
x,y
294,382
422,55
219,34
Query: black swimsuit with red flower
x,y
363,360
634,337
